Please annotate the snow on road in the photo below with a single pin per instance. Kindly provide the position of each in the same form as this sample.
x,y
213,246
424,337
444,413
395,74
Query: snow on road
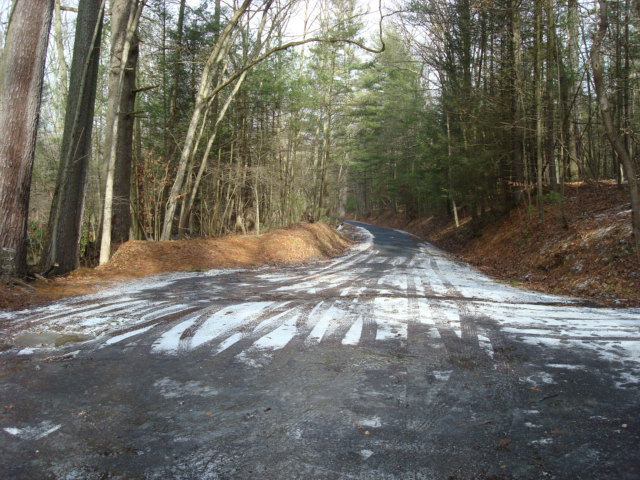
x,y
373,293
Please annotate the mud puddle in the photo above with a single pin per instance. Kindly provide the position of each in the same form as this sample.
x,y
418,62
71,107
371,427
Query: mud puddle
x,y
48,339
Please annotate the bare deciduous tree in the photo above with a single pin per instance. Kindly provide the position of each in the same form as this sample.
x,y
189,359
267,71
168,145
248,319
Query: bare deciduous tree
x,y
21,79
65,220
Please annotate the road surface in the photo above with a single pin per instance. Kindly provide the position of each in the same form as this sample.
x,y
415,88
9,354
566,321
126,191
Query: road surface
x,y
394,361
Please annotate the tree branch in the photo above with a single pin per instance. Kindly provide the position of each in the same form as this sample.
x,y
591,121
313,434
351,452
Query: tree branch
x,y
287,46
296,43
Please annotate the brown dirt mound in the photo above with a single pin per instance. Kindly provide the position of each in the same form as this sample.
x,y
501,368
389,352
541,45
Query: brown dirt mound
x,y
293,245
589,255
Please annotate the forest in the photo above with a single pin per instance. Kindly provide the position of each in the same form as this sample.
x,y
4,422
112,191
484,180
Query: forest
x,y
166,119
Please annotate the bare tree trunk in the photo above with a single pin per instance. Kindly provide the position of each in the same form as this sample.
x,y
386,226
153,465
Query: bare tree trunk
x,y
65,218
516,104
121,214
538,105
61,65
256,194
172,117
550,103
569,92
202,99
187,204
125,15
175,80
607,118
454,208
21,79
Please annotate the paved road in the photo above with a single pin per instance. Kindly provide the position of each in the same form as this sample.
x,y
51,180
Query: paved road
x,y
394,361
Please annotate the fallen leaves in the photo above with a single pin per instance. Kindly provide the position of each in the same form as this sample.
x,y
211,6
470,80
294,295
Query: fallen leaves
x,y
504,444
362,427
57,358
589,255
293,245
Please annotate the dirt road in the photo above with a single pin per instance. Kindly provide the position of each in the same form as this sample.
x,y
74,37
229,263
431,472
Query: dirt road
x,y
393,361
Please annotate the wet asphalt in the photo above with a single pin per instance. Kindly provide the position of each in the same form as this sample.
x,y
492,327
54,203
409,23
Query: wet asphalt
x,y
394,361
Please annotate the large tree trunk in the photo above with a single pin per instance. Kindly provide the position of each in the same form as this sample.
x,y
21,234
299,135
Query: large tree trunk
x,y
550,138
121,212
21,78
65,219
569,97
538,73
125,16
172,118
607,119
517,103
61,70
177,69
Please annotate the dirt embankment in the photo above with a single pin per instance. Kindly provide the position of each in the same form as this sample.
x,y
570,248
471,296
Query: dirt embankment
x,y
588,255
293,245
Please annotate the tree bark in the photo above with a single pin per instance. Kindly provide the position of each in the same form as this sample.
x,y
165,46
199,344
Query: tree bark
x,y
549,98
125,15
121,211
65,218
21,79
538,105
177,68
61,66
516,103
569,97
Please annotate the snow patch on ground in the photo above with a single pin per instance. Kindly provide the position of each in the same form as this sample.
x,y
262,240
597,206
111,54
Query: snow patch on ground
x,y
566,367
374,422
170,340
229,341
365,454
278,338
542,441
539,379
227,319
323,322
124,336
391,317
354,333
442,375
628,379
37,432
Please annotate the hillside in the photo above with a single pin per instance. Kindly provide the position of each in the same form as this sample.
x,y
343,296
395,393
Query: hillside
x,y
590,256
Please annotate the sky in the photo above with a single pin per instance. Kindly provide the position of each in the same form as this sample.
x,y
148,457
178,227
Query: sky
x,y
371,17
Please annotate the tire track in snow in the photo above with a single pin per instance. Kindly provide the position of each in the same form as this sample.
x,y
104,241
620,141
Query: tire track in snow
x,y
210,327
69,313
234,342
278,346
157,317
428,370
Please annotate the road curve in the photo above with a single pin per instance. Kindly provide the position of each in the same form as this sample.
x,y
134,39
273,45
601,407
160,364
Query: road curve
x,y
394,361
